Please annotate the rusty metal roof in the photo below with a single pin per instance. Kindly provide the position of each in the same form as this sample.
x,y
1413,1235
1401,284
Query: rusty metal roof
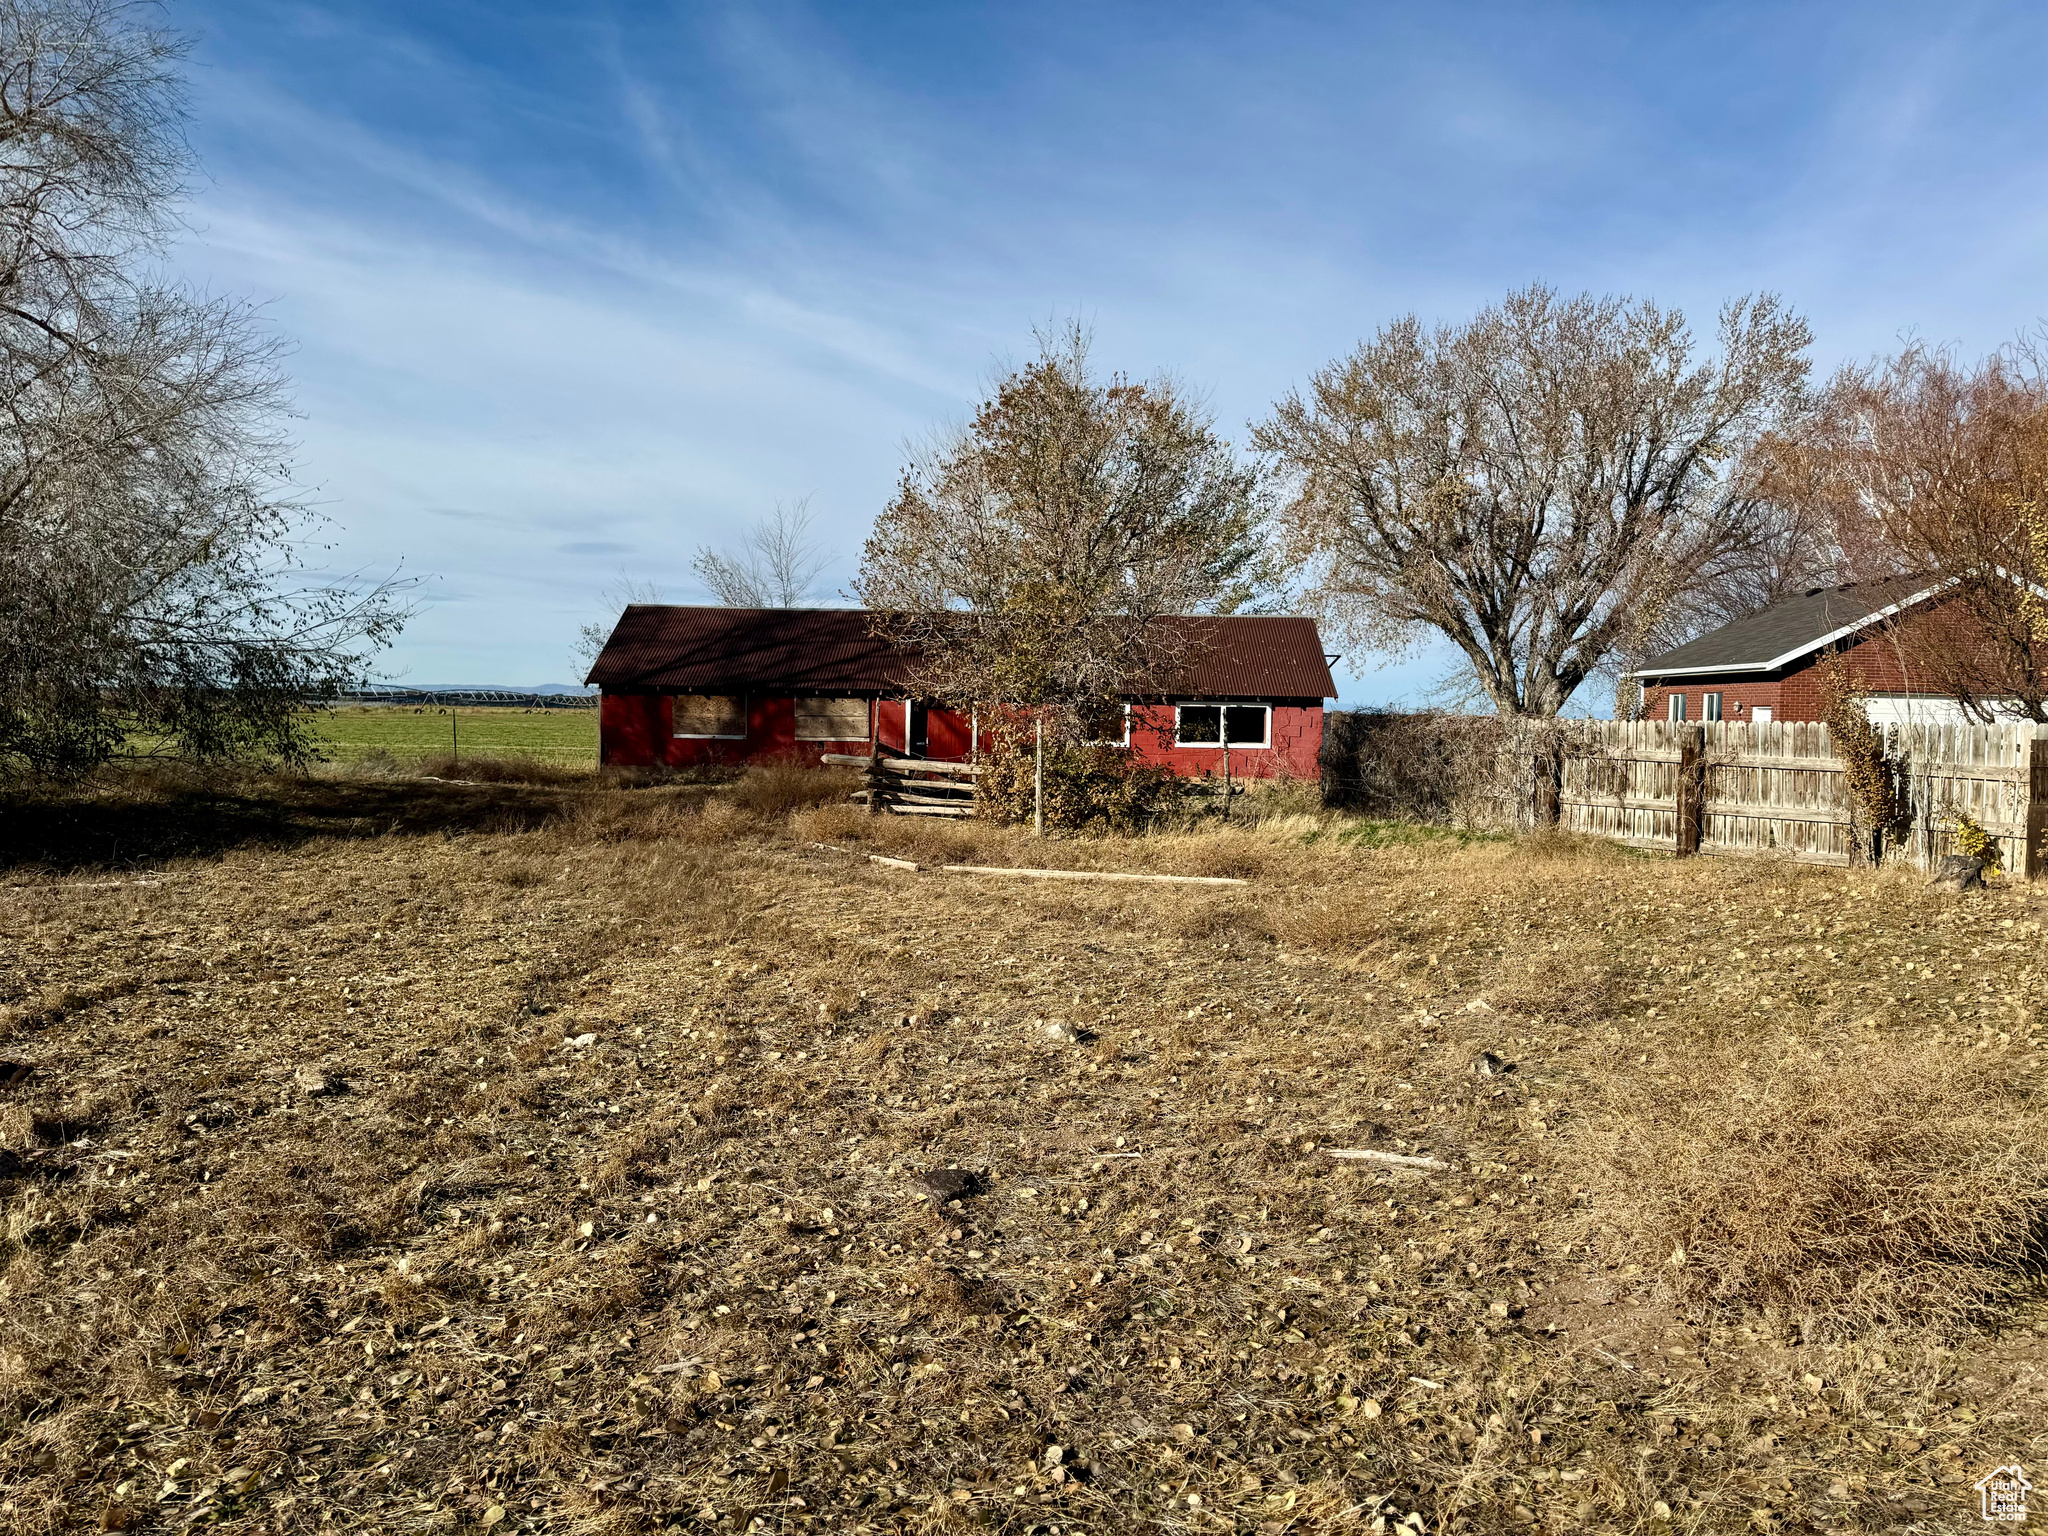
x,y
666,649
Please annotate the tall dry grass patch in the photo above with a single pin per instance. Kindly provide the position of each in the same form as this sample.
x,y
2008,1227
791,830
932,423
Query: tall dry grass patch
x,y
773,790
1898,1182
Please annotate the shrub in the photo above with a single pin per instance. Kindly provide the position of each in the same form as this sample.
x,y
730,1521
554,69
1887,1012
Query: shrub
x,y
1423,765
1900,1183
1085,786
1973,842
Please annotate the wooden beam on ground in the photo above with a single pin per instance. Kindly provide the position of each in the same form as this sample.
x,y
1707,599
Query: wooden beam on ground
x,y
901,764
1089,874
891,795
1398,1159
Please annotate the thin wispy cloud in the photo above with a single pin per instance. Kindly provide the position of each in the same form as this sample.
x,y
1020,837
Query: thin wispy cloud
x,y
578,289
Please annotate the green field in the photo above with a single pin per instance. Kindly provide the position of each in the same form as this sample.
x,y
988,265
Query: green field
x,y
355,732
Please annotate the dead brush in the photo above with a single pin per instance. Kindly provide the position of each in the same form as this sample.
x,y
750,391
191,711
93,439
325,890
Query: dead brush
x,y
502,770
1901,1183
1223,918
1336,924
772,791
1567,993
1554,845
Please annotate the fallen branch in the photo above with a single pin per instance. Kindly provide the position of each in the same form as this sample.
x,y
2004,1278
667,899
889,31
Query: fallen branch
x,y
97,885
883,858
1399,1159
1088,874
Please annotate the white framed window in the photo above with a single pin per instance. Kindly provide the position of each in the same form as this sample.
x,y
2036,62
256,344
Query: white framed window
x,y
1675,707
712,716
1710,706
1210,725
831,719
1107,725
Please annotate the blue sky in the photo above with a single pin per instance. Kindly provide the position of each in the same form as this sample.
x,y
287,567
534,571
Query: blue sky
x,y
578,287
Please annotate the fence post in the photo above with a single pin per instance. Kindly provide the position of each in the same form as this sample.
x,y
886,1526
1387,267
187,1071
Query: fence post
x,y
2034,814
1692,789
1549,775
1038,783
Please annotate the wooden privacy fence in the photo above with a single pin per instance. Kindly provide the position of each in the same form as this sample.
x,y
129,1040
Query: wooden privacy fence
x,y
912,786
1729,788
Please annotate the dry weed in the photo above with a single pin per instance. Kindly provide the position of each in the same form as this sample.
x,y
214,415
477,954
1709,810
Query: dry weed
x,y
435,1298
773,790
1886,1182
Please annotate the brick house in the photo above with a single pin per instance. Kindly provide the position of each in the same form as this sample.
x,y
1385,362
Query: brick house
x,y
685,685
1767,667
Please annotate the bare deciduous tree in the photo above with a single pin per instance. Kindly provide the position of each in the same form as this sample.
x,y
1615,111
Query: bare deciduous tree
x,y
1786,548
615,599
778,564
1542,485
1937,470
147,532
1027,555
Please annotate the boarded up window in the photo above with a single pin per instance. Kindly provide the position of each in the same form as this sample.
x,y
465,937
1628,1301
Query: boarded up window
x,y
831,719
709,714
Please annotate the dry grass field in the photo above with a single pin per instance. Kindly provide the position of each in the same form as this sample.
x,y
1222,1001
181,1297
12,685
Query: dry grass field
x,y
572,1158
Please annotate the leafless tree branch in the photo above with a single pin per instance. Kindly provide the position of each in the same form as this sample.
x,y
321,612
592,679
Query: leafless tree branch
x,y
1545,485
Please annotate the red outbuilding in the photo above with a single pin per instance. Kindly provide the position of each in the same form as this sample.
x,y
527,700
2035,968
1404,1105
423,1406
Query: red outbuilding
x,y
684,686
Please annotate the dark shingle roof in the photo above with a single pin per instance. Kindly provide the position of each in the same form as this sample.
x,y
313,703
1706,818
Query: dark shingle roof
x,y
829,650
1786,631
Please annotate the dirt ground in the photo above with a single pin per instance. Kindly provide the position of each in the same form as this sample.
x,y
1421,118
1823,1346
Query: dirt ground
x,y
431,1157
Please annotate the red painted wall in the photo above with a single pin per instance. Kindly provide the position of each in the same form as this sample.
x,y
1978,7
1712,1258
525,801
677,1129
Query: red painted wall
x,y
1295,732
946,736
629,727
889,723
634,732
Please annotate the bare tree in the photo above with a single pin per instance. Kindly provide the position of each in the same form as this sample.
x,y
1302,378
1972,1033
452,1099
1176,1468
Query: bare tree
x,y
615,599
147,532
1938,470
1786,548
778,564
1027,556
1542,485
